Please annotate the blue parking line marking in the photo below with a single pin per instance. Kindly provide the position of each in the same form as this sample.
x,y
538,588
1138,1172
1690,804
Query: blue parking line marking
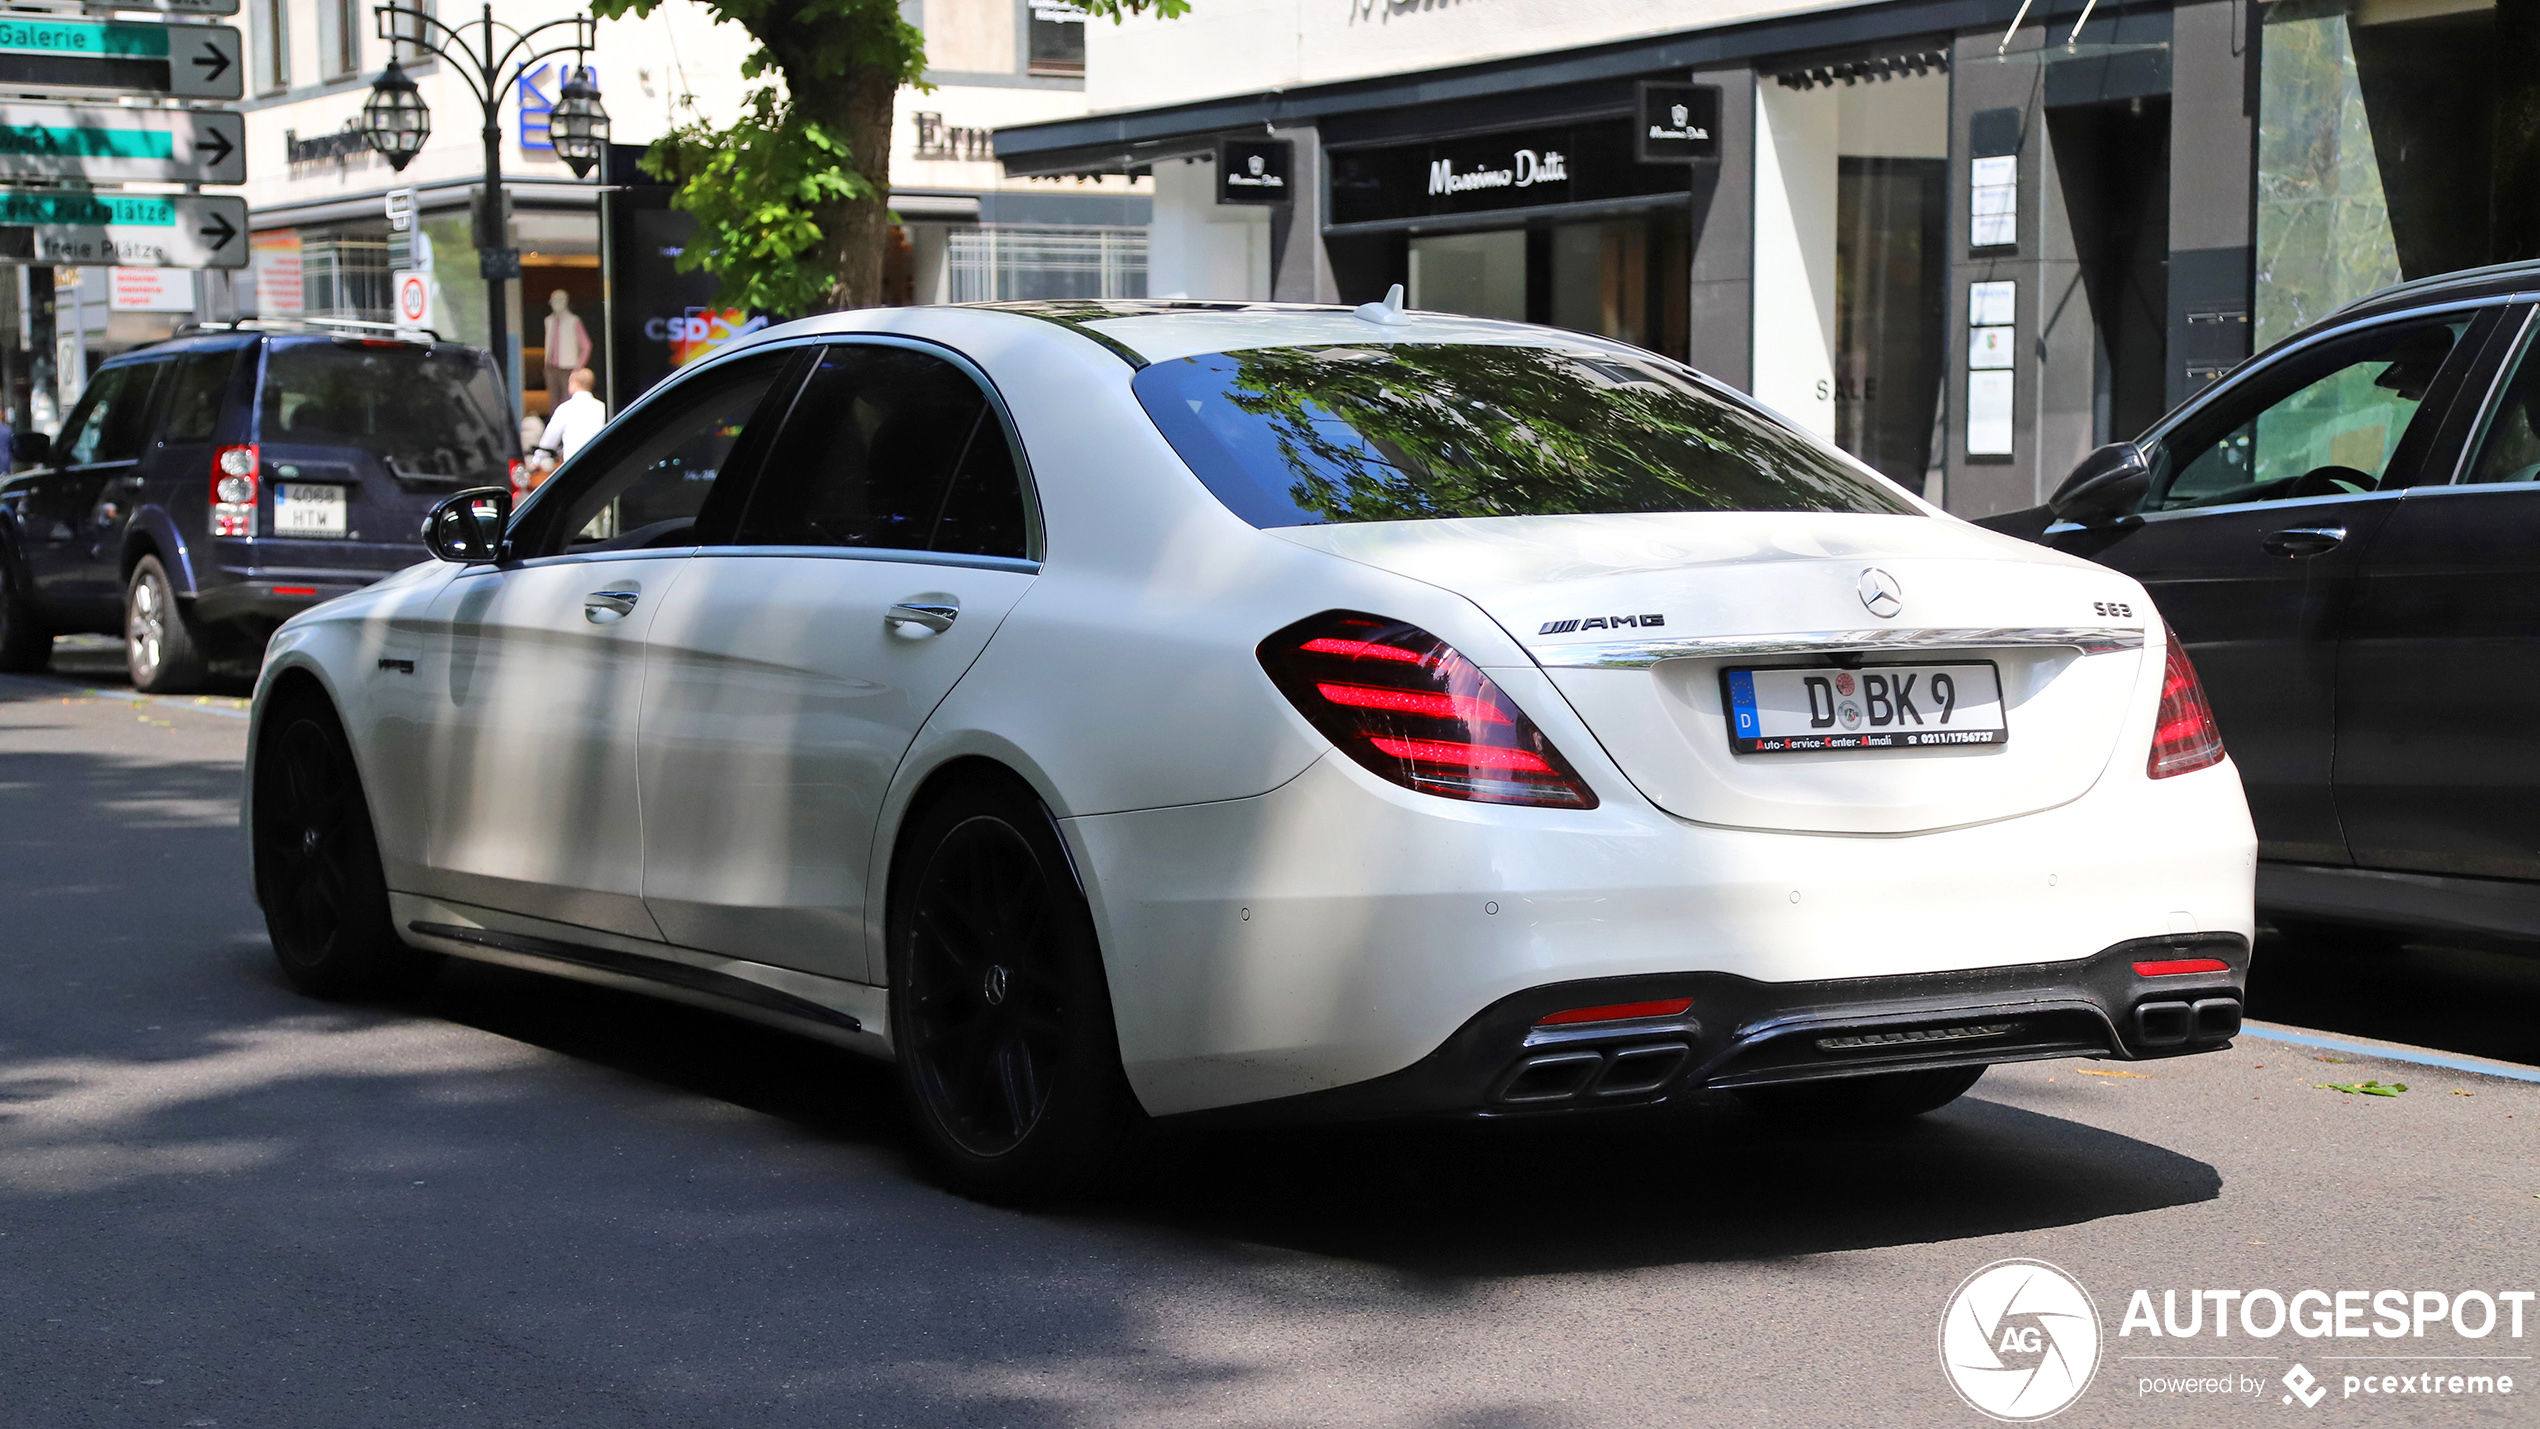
x,y
2507,1070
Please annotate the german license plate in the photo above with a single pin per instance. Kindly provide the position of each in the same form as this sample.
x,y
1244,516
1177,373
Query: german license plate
x,y
302,508
1787,711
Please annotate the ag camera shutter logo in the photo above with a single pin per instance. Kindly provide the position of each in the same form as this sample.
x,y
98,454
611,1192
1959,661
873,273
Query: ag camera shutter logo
x,y
2019,1341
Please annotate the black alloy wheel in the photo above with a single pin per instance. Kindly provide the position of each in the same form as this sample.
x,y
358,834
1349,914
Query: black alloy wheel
x,y
1001,1016
25,644
318,873
1863,1101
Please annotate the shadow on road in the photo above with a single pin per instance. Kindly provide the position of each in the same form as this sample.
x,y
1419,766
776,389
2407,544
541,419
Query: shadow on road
x,y
1705,1182
2483,1003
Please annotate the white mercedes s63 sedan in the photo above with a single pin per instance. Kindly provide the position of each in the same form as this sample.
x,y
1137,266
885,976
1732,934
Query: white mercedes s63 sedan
x,y
1143,710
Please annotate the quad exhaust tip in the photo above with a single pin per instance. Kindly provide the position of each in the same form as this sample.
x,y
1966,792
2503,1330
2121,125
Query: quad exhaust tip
x,y
2173,1024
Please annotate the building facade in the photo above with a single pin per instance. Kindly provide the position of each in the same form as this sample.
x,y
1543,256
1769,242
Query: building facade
x,y
589,294
1966,239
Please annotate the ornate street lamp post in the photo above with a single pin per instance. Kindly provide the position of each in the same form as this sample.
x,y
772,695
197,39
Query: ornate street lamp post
x,y
396,121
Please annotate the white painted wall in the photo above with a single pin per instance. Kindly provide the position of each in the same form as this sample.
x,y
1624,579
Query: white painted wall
x,y
1796,138
1237,46
1200,248
1895,118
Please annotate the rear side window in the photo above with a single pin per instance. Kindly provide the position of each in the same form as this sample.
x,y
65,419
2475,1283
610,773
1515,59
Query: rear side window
x,y
1302,436
199,389
890,448
428,414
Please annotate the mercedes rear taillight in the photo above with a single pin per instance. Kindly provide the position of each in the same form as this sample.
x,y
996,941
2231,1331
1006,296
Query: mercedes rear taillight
x,y
1410,709
2184,736
234,491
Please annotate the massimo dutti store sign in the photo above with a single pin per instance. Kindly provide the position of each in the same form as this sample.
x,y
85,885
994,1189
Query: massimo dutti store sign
x,y
1581,162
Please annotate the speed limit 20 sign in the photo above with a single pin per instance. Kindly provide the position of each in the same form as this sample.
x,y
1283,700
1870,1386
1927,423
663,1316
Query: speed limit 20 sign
x,y
414,299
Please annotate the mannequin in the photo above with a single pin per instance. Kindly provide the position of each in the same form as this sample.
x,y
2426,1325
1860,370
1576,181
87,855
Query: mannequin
x,y
568,344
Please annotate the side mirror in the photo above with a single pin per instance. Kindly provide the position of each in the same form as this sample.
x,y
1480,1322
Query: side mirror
x,y
468,528
2107,484
30,448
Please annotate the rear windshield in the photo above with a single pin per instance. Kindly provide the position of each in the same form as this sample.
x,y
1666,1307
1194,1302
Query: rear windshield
x,y
1302,436
428,414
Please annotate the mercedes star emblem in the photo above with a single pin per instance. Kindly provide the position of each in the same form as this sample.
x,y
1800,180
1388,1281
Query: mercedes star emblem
x,y
1880,593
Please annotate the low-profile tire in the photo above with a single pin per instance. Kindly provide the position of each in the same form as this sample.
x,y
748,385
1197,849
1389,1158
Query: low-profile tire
x,y
26,643
164,648
1863,1101
318,874
1000,1014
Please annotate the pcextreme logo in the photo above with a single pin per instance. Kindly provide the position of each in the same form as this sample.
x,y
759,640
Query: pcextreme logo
x,y
2019,1341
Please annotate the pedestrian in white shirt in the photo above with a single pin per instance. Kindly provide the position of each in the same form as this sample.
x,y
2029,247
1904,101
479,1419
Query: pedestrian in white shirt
x,y
575,420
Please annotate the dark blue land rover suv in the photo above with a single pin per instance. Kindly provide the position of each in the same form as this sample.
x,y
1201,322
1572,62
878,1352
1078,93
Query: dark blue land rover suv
x,y
205,489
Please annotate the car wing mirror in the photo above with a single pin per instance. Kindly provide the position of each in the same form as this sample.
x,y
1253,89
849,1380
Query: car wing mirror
x,y
2108,483
30,449
468,528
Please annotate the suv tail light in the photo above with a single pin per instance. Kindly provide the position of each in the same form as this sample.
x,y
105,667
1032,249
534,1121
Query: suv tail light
x,y
2184,736
234,491
1410,709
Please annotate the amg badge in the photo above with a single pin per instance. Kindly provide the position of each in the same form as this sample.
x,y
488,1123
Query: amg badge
x,y
1602,622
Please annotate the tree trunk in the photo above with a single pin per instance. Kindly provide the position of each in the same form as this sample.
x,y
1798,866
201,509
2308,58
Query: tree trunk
x,y
855,233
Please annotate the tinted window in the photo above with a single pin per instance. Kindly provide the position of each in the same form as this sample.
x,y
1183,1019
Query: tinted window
x,y
2510,451
427,413
1302,436
644,484
195,397
112,420
891,448
2334,420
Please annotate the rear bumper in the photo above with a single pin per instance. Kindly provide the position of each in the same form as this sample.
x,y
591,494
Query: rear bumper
x,y
275,593
1339,930
1743,1033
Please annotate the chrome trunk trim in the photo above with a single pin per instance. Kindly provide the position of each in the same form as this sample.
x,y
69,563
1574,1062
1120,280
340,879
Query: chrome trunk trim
x,y
1641,654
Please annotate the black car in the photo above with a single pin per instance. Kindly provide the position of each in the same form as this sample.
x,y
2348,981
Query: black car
x,y
204,489
2345,531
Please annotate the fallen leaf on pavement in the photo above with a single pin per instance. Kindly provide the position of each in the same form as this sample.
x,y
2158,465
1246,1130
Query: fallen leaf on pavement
x,y
2095,1072
2370,1089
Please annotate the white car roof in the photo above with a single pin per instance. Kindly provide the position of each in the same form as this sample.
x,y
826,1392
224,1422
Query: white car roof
x,y
1160,330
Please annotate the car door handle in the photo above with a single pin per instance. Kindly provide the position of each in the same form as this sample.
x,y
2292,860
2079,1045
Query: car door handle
x,y
2303,541
601,607
936,615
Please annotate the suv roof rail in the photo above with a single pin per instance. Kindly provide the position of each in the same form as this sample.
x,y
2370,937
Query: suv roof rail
x,y
360,325
2520,267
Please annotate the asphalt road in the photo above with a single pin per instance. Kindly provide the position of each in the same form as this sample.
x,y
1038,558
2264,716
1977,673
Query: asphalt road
x,y
519,1202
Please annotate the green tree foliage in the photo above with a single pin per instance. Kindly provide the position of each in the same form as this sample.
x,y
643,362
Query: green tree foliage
x,y
790,197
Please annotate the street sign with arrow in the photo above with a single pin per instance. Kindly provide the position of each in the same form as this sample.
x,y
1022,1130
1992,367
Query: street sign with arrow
x,y
64,141
139,57
128,230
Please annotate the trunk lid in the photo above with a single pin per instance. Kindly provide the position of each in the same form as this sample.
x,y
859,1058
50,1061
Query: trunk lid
x,y
1635,617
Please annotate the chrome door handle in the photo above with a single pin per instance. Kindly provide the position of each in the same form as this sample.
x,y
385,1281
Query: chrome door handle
x,y
602,607
936,616
2303,541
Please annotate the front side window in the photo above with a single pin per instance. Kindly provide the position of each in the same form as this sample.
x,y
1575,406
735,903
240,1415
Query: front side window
x,y
890,448
1302,436
112,422
646,485
426,413
2338,419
